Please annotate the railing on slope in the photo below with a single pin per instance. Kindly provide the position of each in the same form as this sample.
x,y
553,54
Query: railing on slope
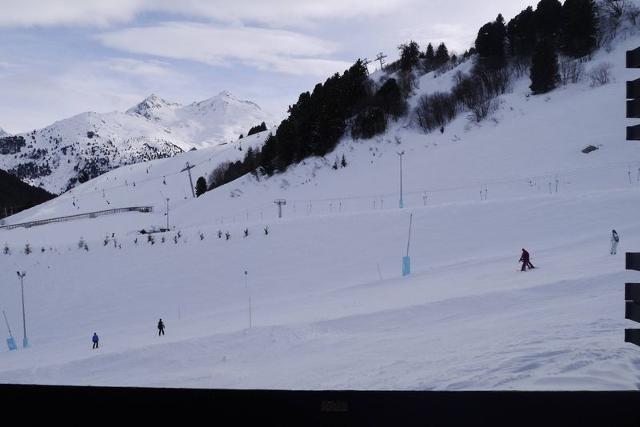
x,y
144,209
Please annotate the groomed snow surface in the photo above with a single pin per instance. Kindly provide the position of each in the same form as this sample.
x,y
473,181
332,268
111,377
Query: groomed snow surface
x,y
329,308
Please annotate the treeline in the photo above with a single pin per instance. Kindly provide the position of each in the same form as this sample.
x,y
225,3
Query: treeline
x,y
256,129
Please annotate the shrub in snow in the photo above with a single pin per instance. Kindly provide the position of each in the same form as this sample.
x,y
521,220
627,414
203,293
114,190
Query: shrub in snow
x,y
600,74
81,243
6,250
27,249
407,82
477,92
571,71
369,123
435,110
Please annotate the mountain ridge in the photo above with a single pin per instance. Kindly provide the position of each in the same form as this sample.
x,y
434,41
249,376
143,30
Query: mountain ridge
x,y
78,148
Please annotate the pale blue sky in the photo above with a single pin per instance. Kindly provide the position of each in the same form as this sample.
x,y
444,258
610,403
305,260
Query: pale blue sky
x,y
62,57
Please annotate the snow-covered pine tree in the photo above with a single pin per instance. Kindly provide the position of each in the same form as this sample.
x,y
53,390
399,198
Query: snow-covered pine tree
x,y
201,186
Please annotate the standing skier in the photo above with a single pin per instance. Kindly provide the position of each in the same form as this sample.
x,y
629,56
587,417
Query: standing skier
x,y
614,242
525,260
160,327
95,340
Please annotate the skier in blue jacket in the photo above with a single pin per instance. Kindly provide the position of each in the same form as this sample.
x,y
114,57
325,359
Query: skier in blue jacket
x,y
95,340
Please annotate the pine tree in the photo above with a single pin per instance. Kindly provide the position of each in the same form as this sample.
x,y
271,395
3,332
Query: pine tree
x,y
27,249
389,98
490,42
579,27
544,68
442,55
548,19
201,186
409,55
6,249
343,162
430,56
521,33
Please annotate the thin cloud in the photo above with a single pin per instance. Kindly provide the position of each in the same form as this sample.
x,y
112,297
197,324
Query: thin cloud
x,y
263,48
27,13
103,13
137,67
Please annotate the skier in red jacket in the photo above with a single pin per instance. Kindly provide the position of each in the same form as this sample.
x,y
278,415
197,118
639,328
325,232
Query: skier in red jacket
x,y
524,259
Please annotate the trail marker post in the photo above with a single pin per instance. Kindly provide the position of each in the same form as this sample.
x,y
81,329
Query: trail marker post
x,y
406,260
11,343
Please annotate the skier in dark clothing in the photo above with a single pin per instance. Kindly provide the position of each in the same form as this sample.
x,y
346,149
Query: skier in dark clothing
x,y
95,340
160,327
524,259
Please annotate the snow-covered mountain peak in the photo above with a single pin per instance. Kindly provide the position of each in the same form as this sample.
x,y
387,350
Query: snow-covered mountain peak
x,y
152,107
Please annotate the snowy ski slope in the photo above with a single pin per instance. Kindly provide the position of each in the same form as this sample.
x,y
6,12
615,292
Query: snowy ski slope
x,y
329,308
